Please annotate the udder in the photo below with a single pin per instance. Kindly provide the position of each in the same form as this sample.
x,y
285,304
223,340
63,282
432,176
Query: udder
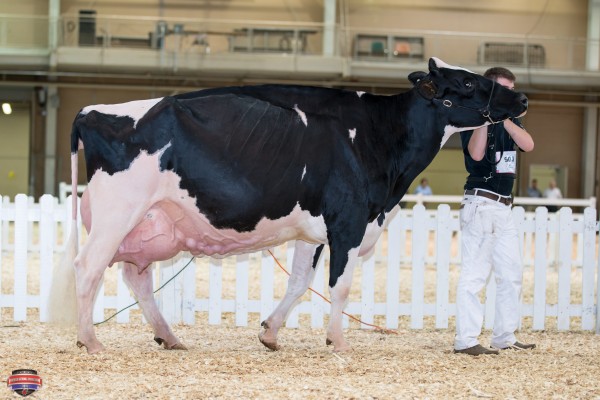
x,y
155,238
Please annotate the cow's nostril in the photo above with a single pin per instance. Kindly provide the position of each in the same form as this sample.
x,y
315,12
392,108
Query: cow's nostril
x,y
524,100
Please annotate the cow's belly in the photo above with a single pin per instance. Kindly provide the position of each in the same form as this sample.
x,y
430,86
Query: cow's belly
x,y
167,229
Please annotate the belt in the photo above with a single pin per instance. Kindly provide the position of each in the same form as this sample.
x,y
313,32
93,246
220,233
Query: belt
x,y
492,196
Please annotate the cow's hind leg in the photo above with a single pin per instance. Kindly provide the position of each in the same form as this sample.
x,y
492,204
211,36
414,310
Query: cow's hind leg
x,y
141,284
304,265
89,269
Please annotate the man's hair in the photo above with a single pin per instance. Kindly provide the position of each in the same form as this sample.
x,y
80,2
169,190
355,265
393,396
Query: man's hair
x,y
500,72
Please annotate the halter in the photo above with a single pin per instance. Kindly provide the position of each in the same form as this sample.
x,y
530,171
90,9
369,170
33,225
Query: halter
x,y
485,112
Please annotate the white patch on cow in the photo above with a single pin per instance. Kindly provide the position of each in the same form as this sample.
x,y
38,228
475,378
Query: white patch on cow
x,y
162,150
360,93
303,173
301,114
352,134
133,109
449,130
442,64
374,230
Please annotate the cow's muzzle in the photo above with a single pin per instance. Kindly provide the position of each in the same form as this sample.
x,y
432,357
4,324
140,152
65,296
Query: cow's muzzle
x,y
525,103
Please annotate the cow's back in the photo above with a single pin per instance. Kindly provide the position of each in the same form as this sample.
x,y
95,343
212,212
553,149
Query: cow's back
x,y
243,153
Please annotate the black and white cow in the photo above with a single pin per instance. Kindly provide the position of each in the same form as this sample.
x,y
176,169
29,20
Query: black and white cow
x,y
234,170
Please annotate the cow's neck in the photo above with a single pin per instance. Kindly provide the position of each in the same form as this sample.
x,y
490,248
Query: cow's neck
x,y
417,133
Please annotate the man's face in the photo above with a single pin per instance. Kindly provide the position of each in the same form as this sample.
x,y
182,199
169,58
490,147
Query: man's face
x,y
506,83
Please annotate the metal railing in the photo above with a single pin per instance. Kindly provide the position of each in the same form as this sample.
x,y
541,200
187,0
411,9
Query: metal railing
x,y
20,33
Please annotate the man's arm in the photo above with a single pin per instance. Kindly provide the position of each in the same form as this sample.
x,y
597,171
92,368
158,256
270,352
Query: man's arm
x,y
520,136
477,143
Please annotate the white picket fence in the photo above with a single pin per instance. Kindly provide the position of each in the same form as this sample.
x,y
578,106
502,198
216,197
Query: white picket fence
x,y
408,279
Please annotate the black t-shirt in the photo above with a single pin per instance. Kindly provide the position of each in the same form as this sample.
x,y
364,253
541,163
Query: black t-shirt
x,y
497,170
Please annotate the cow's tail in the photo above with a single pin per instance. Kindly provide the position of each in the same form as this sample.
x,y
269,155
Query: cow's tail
x,y
62,304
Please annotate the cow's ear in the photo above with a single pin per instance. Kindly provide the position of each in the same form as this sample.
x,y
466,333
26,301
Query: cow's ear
x,y
427,88
416,76
423,84
433,65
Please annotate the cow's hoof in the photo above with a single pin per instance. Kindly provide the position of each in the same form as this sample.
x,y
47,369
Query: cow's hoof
x,y
340,347
267,340
175,346
94,348
272,345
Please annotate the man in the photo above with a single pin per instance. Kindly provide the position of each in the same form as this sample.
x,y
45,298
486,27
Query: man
x,y
552,192
489,236
533,191
424,188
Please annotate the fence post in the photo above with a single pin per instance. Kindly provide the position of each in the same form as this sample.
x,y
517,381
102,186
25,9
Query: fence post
x,y
20,269
367,298
241,289
124,298
215,291
267,278
528,244
171,296
47,231
587,269
443,247
419,251
540,268
565,243
66,224
188,283
518,214
394,246
5,222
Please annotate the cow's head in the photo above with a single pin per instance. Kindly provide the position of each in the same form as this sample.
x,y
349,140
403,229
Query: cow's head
x,y
468,100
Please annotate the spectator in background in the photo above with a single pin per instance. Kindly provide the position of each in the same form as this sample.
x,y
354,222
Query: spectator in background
x,y
533,191
423,188
552,192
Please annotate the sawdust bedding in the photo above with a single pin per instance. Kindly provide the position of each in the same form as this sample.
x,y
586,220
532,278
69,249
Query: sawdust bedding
x,y
228,362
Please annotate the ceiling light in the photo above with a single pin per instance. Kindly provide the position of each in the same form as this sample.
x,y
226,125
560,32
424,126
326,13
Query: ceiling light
x,y
6,108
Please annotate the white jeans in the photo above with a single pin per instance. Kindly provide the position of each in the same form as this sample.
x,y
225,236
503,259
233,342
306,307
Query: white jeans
x,y
489,240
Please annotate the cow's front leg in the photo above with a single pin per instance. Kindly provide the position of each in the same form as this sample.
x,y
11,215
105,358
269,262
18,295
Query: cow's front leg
x,y
141,284
306,257
340,281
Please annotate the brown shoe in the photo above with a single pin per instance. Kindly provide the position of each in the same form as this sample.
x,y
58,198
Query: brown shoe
x,y
476,350
519,346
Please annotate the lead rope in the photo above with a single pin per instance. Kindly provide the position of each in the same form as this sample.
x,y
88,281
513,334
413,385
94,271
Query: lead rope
x,y
162,286
376,327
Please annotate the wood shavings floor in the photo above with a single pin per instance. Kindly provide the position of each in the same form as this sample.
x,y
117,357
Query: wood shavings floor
x,y
229,363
